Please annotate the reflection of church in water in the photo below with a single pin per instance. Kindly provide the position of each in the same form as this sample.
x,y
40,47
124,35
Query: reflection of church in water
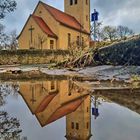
x,y
51,100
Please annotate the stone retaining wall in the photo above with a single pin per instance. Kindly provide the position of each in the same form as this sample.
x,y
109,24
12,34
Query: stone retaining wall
x,y
31,56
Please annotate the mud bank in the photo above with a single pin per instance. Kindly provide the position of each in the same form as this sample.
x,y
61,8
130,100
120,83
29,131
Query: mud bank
x,y
100,73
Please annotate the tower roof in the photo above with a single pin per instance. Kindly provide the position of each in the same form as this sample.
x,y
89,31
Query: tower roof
x,y
64,19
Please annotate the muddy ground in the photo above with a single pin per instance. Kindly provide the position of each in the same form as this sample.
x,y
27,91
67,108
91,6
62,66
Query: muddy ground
x,y
99,76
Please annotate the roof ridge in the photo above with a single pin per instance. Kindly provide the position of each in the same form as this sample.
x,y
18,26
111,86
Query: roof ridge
x,y
61,12
67,20
57,9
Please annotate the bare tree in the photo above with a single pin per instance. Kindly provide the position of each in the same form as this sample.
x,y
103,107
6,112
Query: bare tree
x,y
109,33
8,41
7,6
3,37
9,128
13,43
97,31
124,31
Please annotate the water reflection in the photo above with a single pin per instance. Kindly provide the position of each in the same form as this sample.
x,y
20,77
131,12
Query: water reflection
x,y
129,98
50,100
9,126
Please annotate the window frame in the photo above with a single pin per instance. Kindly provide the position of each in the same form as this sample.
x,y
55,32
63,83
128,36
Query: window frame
x,y
52,85
71,2
83,41
87,125
77,126
86,17
51,44
69,39
78,40
72,125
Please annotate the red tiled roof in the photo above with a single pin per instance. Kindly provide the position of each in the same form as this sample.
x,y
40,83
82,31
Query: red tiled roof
x,y
45,103
65,110
45,28
64,18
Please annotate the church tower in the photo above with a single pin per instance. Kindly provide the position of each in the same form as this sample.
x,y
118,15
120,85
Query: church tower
x,y
80,9
78,123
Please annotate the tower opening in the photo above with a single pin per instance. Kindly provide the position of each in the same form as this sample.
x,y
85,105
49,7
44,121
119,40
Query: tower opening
x,y
79,10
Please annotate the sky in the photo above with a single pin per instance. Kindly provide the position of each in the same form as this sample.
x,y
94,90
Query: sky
x,y
111,12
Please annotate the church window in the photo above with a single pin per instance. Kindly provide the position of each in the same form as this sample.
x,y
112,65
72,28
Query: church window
x,y
72,125
86,17
87,109
87,125
75,1
52,85
78,40
71,2
82,41
86,1
77,126
69,39
51,44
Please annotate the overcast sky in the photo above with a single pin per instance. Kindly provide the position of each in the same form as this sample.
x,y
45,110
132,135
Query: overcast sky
x,y
112,12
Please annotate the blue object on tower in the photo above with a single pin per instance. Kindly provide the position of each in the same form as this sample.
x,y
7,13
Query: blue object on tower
x,y
94,16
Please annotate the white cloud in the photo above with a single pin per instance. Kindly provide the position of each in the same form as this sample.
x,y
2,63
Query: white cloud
x,y
116,12
112,12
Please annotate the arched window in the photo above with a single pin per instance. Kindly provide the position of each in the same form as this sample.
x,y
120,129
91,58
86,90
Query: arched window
x,y
72,125
76,1
86,17
87,109
86,1
71,2
77,126
69,39
51,44
78,40
87,125
52,83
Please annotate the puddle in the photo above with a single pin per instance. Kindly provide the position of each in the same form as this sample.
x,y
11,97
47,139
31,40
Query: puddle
x,y
64,109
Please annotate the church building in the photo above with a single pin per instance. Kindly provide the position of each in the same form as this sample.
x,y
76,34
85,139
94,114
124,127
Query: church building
x,y
50,28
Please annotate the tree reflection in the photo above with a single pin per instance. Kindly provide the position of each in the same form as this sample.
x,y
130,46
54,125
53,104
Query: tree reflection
x,y
9,127
8,89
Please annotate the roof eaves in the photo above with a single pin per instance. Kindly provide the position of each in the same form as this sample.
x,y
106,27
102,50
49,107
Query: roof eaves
x,y
44,4
85,32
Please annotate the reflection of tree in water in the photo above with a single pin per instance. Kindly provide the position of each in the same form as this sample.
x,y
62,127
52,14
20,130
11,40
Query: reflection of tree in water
x,y
9,126
8,89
